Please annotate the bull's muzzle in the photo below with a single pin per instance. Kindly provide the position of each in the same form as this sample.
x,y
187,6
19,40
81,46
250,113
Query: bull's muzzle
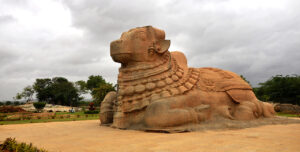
x,y
119,51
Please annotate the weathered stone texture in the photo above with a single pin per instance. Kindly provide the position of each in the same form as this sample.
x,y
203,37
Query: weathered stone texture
x,y
157,90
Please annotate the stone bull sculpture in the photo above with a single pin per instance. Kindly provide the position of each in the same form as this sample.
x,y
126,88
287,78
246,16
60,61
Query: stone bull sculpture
x,y
157,90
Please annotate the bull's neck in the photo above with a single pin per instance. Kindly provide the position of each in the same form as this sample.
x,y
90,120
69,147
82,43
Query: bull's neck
x,y
145,72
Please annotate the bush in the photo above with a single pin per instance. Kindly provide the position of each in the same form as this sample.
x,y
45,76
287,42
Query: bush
x,y
2,117
8,103
11,145
91,112
1,103
16,103
91,106
39,105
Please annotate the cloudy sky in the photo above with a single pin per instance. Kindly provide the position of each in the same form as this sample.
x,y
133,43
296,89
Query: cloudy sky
x,y
70,38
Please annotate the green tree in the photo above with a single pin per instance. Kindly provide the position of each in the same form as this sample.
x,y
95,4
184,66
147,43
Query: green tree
x,y
27,93
18,96
282,89
100,92
42,87
63,92
16,103
57,90
94,82
8,103
81,86
98,88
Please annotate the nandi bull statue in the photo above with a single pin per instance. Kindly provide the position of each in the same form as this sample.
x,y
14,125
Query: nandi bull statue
x,y
157,90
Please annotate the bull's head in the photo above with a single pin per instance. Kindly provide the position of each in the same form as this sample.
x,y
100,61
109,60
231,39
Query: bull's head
x,y
143,44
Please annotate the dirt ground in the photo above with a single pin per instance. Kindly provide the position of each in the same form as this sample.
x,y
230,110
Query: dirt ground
x,y
81,136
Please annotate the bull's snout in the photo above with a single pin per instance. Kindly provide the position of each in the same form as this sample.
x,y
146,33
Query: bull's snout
x,y
119,51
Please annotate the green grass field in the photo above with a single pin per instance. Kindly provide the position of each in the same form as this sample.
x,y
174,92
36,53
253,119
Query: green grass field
x,y
287,115
60,116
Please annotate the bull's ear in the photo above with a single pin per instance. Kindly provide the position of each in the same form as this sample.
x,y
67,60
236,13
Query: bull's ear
x,y
164,46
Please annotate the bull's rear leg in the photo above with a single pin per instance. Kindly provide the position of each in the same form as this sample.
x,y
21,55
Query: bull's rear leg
x,y
107,108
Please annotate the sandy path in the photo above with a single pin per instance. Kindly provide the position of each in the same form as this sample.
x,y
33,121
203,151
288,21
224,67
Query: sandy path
x,y
80,136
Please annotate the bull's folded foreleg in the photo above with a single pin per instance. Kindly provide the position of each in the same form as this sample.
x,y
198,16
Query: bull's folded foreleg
x,y
165,114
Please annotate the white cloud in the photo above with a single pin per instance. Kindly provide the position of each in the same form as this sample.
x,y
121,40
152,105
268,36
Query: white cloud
x,y
48,38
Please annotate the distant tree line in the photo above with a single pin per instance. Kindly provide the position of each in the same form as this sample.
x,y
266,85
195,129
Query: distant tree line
x,y
61,91
279,89
58,90
9,103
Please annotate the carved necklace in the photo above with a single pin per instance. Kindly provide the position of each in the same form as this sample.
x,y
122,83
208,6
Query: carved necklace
x,y
168,79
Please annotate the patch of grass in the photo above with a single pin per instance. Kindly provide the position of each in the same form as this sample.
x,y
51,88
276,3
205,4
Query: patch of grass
x,y
81,113
287,115
58,116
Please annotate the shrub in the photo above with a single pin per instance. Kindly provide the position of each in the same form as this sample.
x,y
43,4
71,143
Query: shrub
x,y
1,103
91,106
2,117
8,103
91,112
11,145
39,105
16,103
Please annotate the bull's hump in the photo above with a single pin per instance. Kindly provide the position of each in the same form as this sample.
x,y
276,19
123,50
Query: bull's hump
x,y
214,79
